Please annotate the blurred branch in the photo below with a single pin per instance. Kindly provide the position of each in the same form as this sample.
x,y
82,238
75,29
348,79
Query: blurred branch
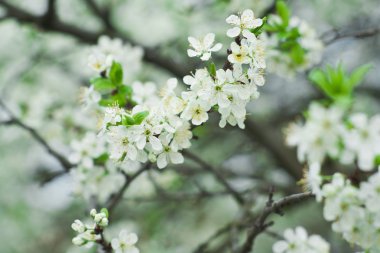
x,y
103,14
239,199
16,121
151,55
282,155
114,200
332,36
260,225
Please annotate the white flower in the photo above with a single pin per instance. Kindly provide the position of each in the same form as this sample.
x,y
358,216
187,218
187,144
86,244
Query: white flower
x,y
169,154
203,47
147,133
89,96
170,101
78,226
99,62
297,241
125,243
121,143
182,136
314,180
243,24
235,113
108,46
101,219
363,140
215,93
196,111
320,136
84,151
144,93
239,55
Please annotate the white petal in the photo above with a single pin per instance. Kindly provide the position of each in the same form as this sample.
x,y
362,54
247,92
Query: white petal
x,y
217,47
233,20
161,161
192,53
155,142
233,32
208,40
176,157
206,56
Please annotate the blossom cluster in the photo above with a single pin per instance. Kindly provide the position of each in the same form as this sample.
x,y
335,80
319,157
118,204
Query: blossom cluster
x,y
90,234
298,241
330,132
141,124
108,50
354,210
293,45
349,202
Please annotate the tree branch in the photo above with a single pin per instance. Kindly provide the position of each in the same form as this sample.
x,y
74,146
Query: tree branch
x,y
115,199
332,36
260,224
16,121
150,54
239,199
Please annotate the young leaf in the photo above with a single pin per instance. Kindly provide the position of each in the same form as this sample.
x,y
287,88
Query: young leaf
x,y
128,121
283,11
212,69
358,75
140,116
105,211
116,73
102,85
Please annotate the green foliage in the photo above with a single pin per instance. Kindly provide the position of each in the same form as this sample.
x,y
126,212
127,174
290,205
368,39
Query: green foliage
x,y
135,119
113,91
288,36
283,11
140,116
258,30
212,69
116,73
105,211
103,85
336,83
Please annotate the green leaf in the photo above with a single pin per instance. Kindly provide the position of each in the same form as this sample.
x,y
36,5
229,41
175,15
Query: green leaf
x,y
101,159
358,74
105,211
140,116
106,102
116,73
212,69
102,85
297,54
128,121
283,12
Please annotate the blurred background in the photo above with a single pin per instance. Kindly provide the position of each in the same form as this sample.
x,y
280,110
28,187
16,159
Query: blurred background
x,y
43,60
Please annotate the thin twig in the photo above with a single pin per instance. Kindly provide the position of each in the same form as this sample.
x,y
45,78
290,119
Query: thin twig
x,y
115,199
239,199
260,224
16,121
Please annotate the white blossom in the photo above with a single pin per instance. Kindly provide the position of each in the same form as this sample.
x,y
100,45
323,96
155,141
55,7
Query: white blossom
x,y
125,243
298,241
203,47
243,23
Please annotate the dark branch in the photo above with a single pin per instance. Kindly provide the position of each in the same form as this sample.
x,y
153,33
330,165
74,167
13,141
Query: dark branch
x,y
115,199
239,199
16,121
151,55
260,224
335,34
